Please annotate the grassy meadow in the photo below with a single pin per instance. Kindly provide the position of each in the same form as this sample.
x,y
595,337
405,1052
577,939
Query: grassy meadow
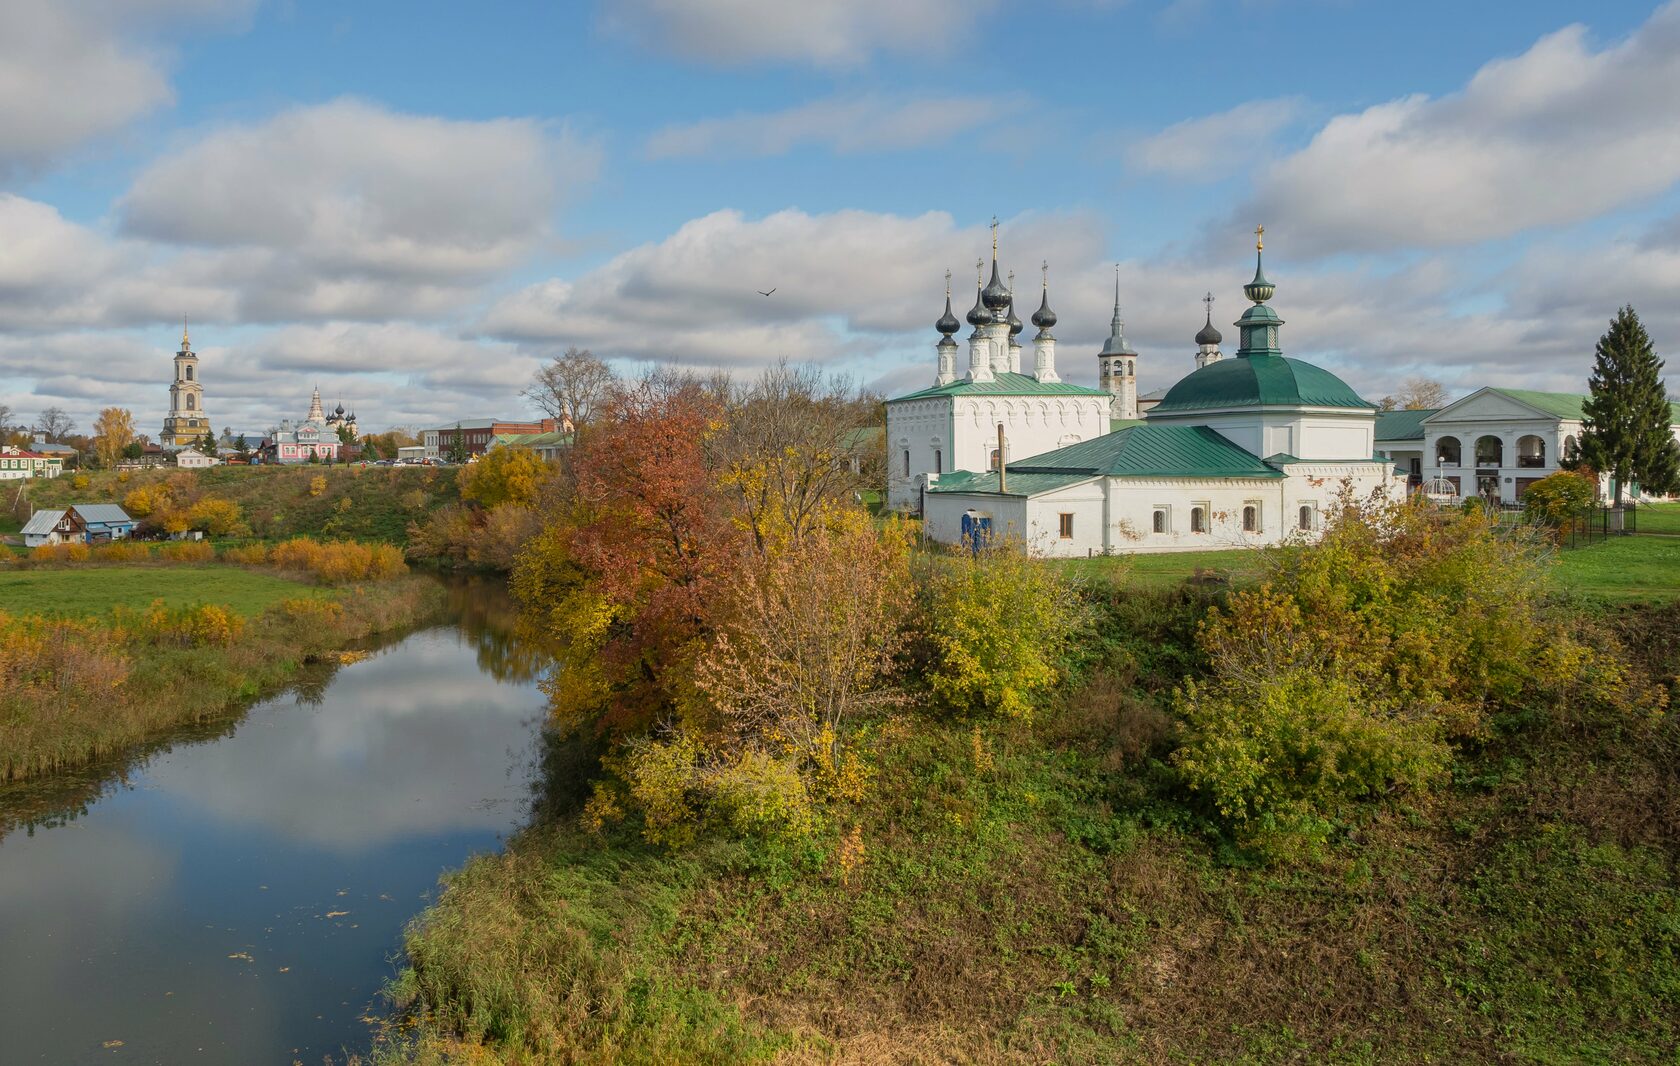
x,y
93,592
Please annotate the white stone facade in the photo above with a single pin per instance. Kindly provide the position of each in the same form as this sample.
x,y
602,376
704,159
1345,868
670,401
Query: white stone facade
x,y
1493,446
934,435
1119,515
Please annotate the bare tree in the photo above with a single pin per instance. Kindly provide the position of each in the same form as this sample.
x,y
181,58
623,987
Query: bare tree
x,y
5,421
570,386
55,424
1418,394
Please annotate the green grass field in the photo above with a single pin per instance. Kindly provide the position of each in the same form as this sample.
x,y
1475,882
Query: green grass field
x,y
1660,518
95,591
1623,569
1160,569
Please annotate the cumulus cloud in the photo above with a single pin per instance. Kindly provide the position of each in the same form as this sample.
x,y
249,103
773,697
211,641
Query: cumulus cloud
x,y
826,32
691,297
351,190
1556,135
870,123
73,70
1210,147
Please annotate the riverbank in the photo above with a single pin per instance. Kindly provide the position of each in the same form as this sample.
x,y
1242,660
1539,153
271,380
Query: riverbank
x,y
73,690
1045,892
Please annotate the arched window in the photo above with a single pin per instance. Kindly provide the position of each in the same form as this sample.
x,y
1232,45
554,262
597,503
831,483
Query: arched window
x,y
1306,516
1160,520
1448,452
1571,449
907,462
189,371
1531,451
1198,520
994,460
938,461
1251,518
1490,451
190,406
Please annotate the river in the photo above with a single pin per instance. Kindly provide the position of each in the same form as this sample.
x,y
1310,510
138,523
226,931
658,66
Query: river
x,y
237,893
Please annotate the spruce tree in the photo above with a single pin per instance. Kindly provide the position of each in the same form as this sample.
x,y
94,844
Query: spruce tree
x,y
1628,432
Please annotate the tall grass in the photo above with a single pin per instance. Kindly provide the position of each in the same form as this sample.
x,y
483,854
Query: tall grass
x,y
74,691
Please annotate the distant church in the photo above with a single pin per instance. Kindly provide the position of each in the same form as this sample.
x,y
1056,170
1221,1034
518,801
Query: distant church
x,y
1243,451
187,422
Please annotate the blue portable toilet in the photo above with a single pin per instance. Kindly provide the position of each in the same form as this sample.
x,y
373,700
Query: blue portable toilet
x,y
976,529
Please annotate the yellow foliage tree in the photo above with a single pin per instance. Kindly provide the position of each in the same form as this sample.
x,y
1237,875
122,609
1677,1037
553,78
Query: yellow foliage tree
x,y
113,431
504,475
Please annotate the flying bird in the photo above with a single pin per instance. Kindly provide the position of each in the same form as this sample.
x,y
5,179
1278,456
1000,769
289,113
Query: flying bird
x,y
761,292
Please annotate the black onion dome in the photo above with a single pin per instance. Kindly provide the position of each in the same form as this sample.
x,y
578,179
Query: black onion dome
x,y
339,410
1014,320
995,294
1044,318
1207,334
978,315
947,323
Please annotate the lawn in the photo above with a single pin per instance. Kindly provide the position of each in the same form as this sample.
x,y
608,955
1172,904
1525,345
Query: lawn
x,y
1659,518
1160,569
1623,569
94,591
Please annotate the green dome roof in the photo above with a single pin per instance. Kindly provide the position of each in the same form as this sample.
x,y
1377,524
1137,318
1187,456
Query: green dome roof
x,y
1259,381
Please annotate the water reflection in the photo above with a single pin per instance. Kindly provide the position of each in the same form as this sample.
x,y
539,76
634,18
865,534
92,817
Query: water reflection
x,y
239,898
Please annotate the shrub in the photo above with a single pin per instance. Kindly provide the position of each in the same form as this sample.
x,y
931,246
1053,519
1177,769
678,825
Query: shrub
x,y
123,551
1556,499
246,555
195,626
142,500
187,551
79,482
339,561
997,627
72,552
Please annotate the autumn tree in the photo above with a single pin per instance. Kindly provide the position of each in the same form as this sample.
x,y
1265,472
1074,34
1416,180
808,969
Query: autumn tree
x,y
504,475
571,386
1628,430
1418,394
783,456
623,578
807,641
113,433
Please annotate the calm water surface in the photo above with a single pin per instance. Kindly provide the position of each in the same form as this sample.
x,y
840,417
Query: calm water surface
x,y
238,896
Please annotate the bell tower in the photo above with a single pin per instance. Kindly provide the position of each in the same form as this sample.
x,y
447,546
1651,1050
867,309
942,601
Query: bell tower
x,y
187,422
1117,363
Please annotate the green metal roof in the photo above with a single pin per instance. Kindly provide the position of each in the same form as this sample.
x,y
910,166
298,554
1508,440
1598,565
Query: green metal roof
x,y
1115,425
1020,484
532,440
1138,451
1284,459
1562,404
1402,425
1259,381
1006,384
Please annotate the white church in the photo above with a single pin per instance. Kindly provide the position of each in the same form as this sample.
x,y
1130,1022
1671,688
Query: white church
x,y
1243,451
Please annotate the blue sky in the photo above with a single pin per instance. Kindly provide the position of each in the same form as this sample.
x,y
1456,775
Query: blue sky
x,y
413,204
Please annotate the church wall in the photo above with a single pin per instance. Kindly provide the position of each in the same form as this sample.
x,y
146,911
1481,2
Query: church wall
x,y
1126,523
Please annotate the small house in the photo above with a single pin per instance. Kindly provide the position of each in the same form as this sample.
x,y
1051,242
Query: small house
x,y
85,523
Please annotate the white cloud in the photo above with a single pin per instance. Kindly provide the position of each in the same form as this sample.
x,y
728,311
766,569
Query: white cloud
x,y
838,277
349,189
74,70
1213,146
825,32
1556,135
870,123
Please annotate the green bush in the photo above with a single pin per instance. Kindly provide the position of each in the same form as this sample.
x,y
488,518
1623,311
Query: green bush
x,y
1555,499
997,628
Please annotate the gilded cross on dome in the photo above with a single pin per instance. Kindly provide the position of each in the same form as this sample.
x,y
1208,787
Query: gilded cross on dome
x,y
1259,238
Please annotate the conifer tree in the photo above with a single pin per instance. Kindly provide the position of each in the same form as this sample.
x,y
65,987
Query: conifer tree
x,y
1628,432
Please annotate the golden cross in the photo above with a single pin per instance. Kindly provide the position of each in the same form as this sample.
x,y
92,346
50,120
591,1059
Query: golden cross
x,y
979,272
1259,238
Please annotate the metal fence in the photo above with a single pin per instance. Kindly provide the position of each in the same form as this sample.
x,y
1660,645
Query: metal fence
x,y
1591,525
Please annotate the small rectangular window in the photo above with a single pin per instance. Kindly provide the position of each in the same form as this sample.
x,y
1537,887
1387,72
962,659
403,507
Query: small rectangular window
x,y
938,461
1251,518
1162,521
907,462
1067,525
